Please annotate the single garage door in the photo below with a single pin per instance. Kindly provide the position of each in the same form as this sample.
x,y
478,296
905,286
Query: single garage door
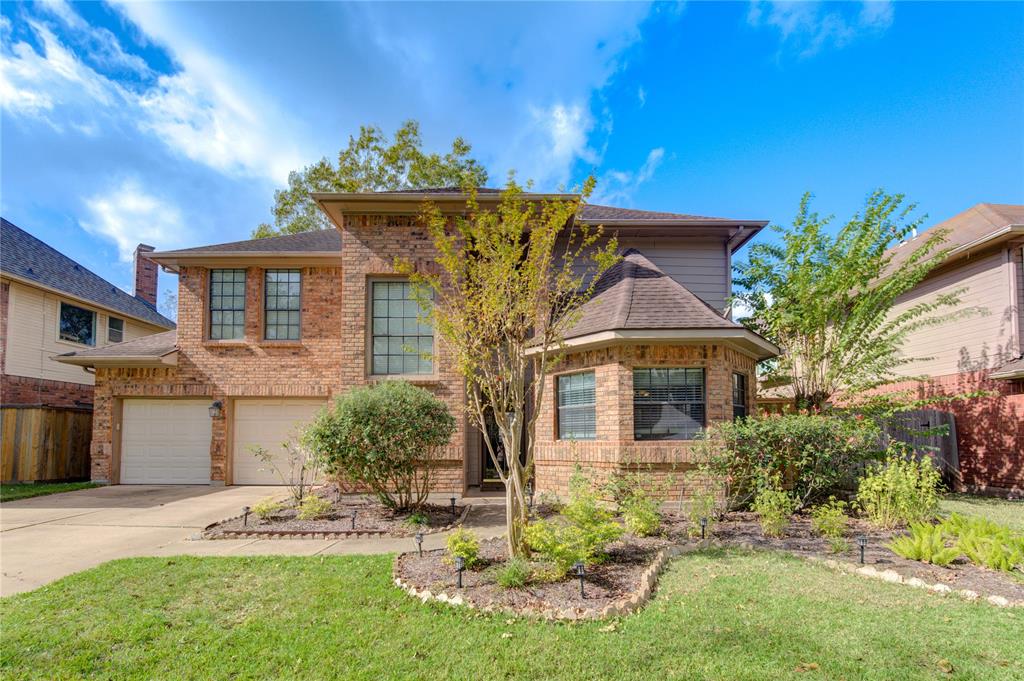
x,y
266,423
165,442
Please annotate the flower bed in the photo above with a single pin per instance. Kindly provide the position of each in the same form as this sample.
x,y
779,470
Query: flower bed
x,y
371,518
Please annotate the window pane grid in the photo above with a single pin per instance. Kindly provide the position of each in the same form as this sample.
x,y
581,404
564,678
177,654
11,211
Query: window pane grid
x,y
115,330
577,413
282,304
77,324
739,396
227,304
397,336
668,404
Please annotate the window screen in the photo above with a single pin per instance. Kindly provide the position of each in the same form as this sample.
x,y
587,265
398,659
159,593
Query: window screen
x,y
577,418
668,404
77,324
398,337
115,330
281,304
227,304
739,396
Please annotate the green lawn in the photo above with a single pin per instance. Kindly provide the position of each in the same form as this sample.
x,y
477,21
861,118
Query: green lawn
x,y
718,615
1010,513
37,489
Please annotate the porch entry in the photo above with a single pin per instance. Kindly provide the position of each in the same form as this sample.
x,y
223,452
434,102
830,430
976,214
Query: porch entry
x,y
489,478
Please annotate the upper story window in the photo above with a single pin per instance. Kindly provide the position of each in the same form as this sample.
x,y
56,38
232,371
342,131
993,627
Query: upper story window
x,y
115,330
668,404
77,324
281,302
739,396
227,304
397,337
577,407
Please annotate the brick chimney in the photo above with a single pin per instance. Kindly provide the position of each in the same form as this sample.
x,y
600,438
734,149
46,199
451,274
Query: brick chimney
x,y
145,274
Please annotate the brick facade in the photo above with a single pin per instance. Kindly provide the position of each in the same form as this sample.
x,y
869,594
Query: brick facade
x,y
615,448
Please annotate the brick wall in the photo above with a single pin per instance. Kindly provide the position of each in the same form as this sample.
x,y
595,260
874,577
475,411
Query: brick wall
x,y
615,449
24,390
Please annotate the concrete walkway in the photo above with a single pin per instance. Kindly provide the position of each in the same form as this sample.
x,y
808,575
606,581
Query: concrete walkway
x,y
46,538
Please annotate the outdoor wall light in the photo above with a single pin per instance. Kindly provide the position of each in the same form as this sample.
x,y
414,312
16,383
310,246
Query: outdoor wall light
x,y
245,516
419,543
862,542
460,565
452,500
216,409
580,571
703,527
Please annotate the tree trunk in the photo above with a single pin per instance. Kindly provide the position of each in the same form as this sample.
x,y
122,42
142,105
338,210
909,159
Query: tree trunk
x,y
516,510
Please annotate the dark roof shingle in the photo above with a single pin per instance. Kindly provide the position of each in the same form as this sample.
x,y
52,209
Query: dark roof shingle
x,y
636,294
319,240
26,257
153,345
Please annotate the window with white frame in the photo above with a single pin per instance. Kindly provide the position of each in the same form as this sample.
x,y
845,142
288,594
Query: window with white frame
x,y
400,342
577,407
668,403
77,324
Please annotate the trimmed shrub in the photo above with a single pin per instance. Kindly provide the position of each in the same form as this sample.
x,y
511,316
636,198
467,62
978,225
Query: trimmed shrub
x,y
463,543
514,574
313,507
810,453
901,490
829,519
385,437
773,508
266,509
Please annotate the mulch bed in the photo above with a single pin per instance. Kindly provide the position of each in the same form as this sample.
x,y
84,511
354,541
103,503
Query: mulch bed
x,y
742,529
615,578
371,518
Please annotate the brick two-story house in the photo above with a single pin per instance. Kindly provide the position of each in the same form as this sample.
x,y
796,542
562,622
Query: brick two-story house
x,y
270,329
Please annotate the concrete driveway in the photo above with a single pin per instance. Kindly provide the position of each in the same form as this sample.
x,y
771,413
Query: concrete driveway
x,y
48,537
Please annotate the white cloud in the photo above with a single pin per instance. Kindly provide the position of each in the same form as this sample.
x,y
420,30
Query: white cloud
x,y
127,215
809,27
641,95
618,187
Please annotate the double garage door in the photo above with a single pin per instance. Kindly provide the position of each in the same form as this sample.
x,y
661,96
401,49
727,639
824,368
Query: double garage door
x,y
168,441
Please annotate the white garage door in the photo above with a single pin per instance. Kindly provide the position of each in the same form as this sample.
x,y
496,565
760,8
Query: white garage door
x,y
267,424
165,442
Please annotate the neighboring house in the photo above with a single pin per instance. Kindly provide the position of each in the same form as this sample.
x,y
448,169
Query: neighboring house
x,y
51,305
270,329
979,352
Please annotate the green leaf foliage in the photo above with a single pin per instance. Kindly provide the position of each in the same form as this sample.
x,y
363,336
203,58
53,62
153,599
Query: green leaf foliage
x,y
370,163
900,490
926,543
774,508
986,543
313,507
514,574
829,519
463,544
826,297
385,436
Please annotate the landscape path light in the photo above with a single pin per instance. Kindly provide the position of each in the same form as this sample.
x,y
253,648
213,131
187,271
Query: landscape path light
x,y
419,543
703,527
245,516
354,511
580,571
460,565
862,542
452,500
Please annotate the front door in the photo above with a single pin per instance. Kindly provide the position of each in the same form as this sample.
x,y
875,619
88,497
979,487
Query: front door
x,y
490,480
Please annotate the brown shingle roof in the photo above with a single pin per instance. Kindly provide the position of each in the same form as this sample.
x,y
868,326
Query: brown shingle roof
x,y
966,228
322,240
636,294
154,345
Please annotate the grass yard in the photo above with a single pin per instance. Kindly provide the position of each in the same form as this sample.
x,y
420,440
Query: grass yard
x,y
28,490
1009,513
718,615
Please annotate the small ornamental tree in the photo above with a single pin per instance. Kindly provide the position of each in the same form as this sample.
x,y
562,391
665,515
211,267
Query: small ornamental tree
x,y
509,284
386,437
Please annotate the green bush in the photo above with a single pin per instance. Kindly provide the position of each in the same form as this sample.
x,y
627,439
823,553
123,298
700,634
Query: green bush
x,y
986,543
463,543
811,453
701,504
900,490
313,507
926,543
774,508
267,508
838,545
385,437
829,519
641,515
580,533
639,494
416,520
514,574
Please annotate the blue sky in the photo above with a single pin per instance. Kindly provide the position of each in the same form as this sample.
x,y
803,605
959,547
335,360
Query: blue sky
x,y
174,123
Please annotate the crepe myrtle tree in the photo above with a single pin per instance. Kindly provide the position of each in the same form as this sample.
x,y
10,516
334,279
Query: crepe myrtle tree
x,y
827,299
508,284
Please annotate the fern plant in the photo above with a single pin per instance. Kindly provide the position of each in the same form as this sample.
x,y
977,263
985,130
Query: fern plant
x,y
926,543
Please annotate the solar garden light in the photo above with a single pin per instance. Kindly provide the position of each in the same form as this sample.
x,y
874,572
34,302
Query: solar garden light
x,y
419,543
529,493
354,511
452,500
579,573
703,527
460,565
862,542
245,516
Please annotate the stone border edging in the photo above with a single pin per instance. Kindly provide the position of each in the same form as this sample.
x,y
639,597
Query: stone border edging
x,y
894,577
622,606
306,534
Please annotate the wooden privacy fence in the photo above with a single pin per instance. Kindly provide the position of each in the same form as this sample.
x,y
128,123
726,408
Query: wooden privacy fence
x,y
44,444
929,432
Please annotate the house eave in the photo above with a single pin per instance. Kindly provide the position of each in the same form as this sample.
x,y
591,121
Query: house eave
x,y
126,361
173,261
744,340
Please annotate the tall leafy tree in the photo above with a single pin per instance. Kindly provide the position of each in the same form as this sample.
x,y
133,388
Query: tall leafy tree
x,y
509,283
828,299
369,163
